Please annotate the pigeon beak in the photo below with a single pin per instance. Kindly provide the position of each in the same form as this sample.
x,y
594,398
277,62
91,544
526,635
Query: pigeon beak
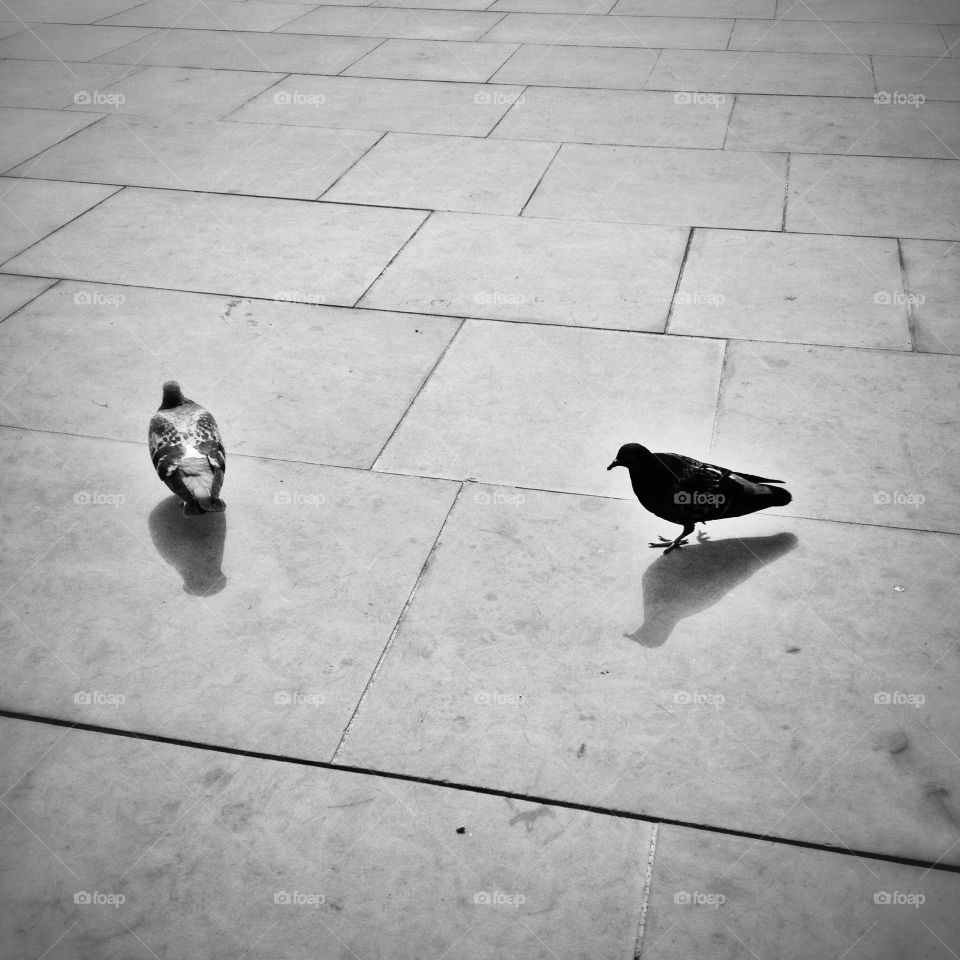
x,y
616,463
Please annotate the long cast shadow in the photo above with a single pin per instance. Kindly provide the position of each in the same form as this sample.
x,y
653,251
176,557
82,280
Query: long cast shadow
x,y
692,579
191,545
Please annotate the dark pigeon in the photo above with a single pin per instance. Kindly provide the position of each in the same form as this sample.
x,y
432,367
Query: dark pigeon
x,y
187,451
686,491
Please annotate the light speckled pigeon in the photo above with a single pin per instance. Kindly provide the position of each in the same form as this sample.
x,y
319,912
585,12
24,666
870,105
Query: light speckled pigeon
x,y
686,491
187,451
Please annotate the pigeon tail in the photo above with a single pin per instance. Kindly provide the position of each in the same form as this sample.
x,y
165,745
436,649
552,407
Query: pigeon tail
x,y
199,479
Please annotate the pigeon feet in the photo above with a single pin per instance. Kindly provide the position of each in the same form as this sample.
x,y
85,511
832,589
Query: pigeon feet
x,y
669,544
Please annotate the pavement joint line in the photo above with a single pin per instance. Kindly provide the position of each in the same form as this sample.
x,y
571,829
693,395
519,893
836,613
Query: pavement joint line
x,y
482,791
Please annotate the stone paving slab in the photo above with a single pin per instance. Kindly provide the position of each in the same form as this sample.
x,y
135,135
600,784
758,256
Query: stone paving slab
x,y
933,277
226,853
405,106
278,249
67,42
415,24
211,14
506,268
569,398
50,85
280,161
468,174
704,188
793,287
715,897
875,196
234,50
433,60
27,132
71,355
232,628
32,209
892,39
563,66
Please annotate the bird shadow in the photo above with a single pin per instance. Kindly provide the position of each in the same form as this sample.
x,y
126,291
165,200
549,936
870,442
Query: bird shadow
x,y
693,579
193,546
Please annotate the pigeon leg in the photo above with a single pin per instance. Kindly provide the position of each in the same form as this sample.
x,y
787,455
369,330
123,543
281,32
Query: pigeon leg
x,y
674,544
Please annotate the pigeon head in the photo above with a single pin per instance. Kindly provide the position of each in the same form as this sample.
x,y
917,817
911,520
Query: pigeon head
x,y
172,395
631,455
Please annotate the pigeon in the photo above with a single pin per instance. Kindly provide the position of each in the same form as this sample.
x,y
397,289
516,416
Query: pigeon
x,y
686,491
187,451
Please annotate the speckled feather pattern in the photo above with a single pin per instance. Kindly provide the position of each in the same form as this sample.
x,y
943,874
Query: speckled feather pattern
x,y
181,435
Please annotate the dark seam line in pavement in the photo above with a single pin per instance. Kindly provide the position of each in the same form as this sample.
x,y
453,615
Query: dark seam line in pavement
x,y
389,263
508,111
492,25
676,286
47,236
407,409
259,93
719,401
396,627
50,146
353,62
116,13
505,62
653,69
546,170
726,129
786,195
27,303
911,315
873,75
363,154
481,790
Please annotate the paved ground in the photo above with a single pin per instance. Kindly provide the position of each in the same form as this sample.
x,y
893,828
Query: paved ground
x,y
423,691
